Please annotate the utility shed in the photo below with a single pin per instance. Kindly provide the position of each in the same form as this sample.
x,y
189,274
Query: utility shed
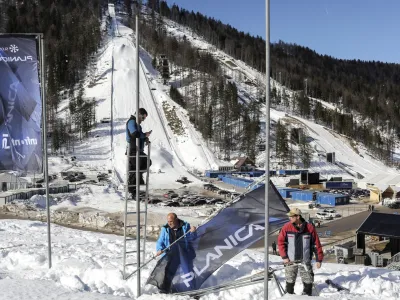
x,y
382,225
9,181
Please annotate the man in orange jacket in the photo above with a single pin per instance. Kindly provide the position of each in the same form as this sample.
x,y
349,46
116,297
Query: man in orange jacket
x,y
297,242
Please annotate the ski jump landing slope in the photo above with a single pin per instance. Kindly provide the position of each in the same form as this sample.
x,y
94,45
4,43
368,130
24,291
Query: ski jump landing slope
x,y
345,155
166,163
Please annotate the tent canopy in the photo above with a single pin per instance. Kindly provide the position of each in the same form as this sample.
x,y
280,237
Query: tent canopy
x,y
381,225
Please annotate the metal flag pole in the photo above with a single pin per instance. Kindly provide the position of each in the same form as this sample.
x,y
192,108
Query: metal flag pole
x,y
45,160
267,121
137,156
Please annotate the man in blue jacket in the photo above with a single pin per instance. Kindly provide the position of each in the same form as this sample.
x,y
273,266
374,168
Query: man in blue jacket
x,y
170,232
134,131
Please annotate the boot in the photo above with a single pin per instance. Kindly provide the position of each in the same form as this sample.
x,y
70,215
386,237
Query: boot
x,y
290,287
307,290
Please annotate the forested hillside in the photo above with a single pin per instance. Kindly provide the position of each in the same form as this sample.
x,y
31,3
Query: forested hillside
x,y
364,92
72,34
229,126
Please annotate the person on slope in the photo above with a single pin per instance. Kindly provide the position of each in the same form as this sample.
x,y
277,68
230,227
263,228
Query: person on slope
x,y
133,132
297,242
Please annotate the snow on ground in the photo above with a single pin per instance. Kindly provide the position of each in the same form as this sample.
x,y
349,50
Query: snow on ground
x,y
87,265
94,200
190,146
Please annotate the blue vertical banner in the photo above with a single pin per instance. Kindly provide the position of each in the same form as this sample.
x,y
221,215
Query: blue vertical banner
x,y
21,105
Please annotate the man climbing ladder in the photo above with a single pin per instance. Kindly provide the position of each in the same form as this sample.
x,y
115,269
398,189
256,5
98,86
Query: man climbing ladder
x,y
133,132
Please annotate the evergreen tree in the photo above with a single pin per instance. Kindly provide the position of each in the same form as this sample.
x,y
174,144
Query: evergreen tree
x,y
303,104
282,143
128,7
209,123
305,151
176,96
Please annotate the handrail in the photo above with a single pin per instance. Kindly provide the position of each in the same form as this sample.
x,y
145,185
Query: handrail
x,y
394,258
339,241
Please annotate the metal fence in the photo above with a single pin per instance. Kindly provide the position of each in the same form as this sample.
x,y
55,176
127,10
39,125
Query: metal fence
x,y
351,210
27,194
341,241
343,211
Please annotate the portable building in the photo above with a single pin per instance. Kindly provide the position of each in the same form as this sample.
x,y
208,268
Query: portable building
x,y
332,199
9,181
287,192
338,185
303,195
239,182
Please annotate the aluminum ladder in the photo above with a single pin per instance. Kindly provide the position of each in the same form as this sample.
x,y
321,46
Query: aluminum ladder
x,y
128,241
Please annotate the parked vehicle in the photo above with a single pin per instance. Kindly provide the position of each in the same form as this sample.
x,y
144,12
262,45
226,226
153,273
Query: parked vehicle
x,y
323,216
105,120
234,195
313,204
394,205
330,212
81,176
222,192
170,203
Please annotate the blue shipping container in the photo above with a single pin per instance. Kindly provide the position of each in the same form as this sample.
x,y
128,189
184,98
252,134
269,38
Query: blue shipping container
x,y
339,185
303,196
239,182
295,172
257,186
332,199
290,172
287,192
215,174
327,200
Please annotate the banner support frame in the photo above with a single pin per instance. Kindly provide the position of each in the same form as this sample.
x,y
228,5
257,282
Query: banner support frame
x,y
45,158
267,136
40,46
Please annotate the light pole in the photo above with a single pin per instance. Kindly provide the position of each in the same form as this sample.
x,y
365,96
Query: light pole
x,y
267,121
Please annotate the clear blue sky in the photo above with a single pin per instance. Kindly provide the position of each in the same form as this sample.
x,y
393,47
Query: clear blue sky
x,y
360,29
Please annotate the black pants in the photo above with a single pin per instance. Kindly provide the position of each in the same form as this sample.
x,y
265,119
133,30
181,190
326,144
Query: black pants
x,y
132,167
172,267
170,270
142,160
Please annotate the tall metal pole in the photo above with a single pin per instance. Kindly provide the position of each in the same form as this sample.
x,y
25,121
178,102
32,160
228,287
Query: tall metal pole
x,y
112,104
45,161
137,156
267,121
126,206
